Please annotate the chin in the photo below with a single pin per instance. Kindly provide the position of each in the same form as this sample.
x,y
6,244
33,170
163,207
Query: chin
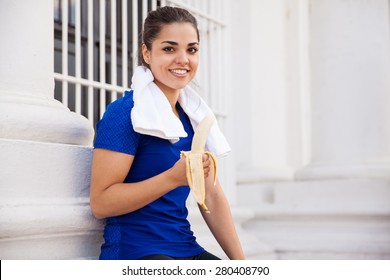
x,y
181,86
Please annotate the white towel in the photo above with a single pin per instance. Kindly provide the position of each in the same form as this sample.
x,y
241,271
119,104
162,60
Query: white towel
x,y
152,113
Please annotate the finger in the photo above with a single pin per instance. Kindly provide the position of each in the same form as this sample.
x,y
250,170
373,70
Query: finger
x,y
206,171
205,157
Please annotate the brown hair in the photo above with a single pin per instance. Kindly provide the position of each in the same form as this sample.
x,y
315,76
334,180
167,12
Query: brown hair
x,y
155,21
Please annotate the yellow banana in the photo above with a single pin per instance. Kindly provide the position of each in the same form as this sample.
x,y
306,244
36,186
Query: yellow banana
x,y
194,162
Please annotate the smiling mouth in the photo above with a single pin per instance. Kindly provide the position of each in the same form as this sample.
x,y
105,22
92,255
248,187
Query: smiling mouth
x,y
179,71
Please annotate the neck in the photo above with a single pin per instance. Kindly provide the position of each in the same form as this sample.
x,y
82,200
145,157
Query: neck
x,y
172,98
172,95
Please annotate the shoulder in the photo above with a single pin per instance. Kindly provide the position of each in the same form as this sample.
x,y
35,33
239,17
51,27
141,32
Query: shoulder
x,y
115,130
125,103
119,110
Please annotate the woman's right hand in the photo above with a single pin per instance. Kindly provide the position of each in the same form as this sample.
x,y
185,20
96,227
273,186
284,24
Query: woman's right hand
x,y
178,170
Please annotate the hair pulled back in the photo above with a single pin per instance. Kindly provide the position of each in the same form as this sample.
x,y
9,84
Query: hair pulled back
x,y
156,20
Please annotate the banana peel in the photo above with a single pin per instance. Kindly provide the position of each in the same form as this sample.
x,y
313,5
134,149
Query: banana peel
x,y
194,161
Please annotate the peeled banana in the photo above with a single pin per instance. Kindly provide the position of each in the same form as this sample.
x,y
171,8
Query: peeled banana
x,y
194,162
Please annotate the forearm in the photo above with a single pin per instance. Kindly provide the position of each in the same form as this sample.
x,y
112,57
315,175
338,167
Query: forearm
x,y
221,224
122,198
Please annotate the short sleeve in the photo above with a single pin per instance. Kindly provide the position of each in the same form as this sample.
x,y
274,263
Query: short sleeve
x,y
115,130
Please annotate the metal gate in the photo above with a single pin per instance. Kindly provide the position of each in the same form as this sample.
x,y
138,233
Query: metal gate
x,y
96,43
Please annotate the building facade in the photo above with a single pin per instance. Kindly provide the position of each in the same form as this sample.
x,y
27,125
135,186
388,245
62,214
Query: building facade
x,y
301,89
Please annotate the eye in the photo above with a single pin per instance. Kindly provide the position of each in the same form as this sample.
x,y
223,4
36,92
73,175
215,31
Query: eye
x,y
168,49
193,50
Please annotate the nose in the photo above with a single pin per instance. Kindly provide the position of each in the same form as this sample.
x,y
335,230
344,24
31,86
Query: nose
x,y
182,58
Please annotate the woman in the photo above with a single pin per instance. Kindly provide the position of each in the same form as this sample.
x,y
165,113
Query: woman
x,y
138,179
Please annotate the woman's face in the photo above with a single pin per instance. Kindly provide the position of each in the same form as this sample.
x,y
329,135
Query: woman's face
x,y
173,58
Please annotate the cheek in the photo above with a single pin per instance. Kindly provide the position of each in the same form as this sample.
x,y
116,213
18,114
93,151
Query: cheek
x,y
160,64
157,63
194,69
194,62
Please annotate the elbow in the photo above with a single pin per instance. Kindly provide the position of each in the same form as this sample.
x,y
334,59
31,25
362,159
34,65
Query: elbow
x,y
98,215
97,210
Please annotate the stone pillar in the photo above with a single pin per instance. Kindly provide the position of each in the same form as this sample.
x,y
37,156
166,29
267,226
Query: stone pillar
x,y
320,103
44,181
264,142
242,58
341,192
349,108
28,110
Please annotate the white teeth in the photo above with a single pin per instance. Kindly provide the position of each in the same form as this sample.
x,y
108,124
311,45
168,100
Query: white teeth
x,y
179,71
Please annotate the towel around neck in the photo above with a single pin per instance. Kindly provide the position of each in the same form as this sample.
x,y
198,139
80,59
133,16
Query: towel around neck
x,y
152,113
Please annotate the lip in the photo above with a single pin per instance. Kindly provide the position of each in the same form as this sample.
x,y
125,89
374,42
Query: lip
x,y
177,74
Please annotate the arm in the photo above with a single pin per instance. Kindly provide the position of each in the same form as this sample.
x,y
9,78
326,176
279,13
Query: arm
x,y
109,196
220,220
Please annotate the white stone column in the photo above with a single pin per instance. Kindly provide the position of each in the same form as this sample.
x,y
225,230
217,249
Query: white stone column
x,y
319,100
349,107
265,153
44,181
28,110
243,163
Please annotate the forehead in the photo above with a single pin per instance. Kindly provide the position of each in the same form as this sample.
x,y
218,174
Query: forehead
x,y
178,32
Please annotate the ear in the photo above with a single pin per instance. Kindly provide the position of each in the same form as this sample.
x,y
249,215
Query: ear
x,y
146,54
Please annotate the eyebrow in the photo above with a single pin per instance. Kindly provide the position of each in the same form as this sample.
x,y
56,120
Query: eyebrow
x,y
175,43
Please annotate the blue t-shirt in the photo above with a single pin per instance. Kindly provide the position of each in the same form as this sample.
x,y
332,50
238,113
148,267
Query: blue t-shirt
x,y
162,226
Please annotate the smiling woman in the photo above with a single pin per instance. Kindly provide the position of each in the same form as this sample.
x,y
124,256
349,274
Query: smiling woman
x,y
139,180
173,62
